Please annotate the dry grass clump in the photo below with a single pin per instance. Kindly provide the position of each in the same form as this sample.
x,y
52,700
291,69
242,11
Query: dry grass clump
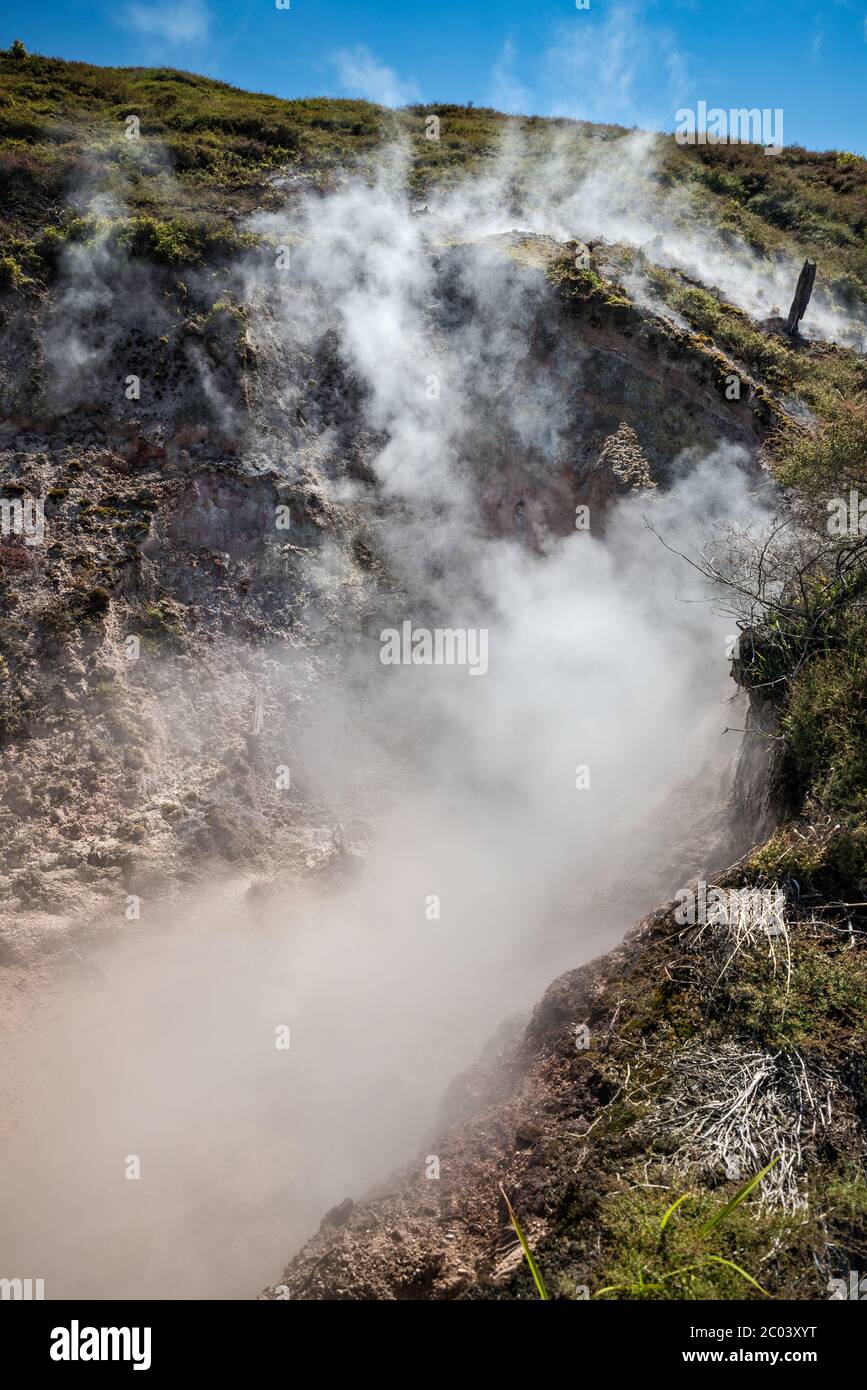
x,y
730,1110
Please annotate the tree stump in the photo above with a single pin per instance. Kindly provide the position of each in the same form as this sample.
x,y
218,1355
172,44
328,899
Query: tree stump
x,y
802,297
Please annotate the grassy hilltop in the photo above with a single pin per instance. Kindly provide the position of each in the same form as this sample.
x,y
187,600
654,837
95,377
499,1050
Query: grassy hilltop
x,y
62,124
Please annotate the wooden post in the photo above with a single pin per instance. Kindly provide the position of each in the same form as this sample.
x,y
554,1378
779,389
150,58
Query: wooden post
x,y
802,297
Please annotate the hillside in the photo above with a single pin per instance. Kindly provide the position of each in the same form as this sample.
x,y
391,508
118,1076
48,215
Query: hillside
x,y
60,125
247,475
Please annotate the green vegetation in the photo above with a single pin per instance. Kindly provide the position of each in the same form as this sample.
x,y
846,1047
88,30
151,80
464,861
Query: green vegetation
x,y
11,274
816,198
589,288
810,657
807,654
161,626
699,1249
822,376
816,1011
825,722
527,1252
207,153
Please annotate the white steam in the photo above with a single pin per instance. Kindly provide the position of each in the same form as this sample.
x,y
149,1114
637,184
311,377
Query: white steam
x,y
613,190
605,653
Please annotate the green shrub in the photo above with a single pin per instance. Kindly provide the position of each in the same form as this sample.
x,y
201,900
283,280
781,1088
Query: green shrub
x,y
11,274
826,725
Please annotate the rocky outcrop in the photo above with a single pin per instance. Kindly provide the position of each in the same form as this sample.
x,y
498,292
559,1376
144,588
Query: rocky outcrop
x,y
621,468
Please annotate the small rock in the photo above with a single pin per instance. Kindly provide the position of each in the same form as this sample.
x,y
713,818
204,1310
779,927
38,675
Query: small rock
x,y
339,1215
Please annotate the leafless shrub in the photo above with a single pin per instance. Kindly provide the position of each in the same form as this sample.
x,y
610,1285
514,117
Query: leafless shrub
x,y
781,585
731,1111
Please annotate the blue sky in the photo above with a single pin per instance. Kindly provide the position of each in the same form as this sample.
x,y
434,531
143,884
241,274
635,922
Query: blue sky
x,y
630,61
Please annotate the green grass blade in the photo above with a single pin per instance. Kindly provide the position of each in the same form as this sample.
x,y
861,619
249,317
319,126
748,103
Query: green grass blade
x,y
528,1254
626,1288
740,1196
642,1286
672,1209
718,1260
